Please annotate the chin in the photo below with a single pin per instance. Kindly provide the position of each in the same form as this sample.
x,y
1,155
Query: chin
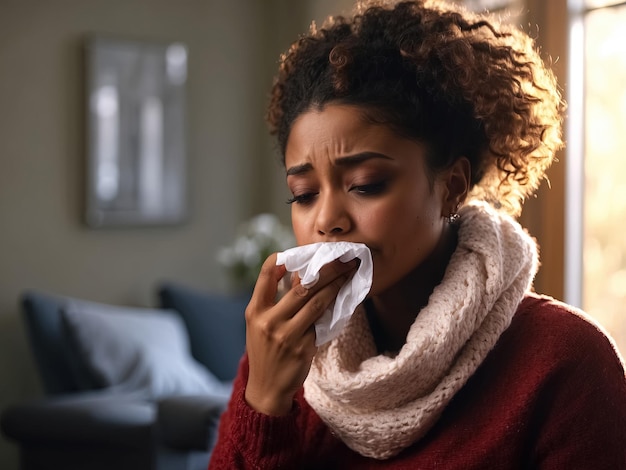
x,y
376,289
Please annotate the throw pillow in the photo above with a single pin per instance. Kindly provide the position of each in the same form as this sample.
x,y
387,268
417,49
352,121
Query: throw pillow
x,y
136,349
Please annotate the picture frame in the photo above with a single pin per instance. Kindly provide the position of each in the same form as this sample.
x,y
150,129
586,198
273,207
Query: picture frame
x,y
136,132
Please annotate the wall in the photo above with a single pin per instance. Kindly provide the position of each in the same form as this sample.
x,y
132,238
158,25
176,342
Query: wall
x,y
233,48
544,215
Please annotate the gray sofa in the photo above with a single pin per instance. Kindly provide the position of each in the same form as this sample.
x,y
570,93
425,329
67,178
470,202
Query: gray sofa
x,y
110,405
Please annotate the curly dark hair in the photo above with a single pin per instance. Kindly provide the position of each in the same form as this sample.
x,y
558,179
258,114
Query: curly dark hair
x,y
461,83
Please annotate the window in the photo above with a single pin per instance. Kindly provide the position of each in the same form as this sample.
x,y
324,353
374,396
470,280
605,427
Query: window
x,y
597,280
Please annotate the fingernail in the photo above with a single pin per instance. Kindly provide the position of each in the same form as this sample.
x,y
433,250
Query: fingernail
x,y
353,262
301,291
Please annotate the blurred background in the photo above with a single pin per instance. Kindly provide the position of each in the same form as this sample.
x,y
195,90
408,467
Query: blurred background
x,y
233,171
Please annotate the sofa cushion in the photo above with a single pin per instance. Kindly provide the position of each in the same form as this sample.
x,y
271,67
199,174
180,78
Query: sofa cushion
x,y
87,418
136,349
42,319
216,324
189,422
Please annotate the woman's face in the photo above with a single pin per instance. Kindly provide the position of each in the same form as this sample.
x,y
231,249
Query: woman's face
x,y
356,181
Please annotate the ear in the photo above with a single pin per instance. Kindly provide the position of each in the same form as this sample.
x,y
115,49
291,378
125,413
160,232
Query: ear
x,y
457,185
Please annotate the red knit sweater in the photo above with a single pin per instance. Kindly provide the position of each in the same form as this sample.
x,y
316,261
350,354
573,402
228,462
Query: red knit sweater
x,y
550,395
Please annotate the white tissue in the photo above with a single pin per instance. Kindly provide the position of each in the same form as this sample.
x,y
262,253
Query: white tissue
x,y
307,260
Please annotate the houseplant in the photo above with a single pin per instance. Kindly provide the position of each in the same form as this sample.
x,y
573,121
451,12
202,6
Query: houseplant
x,y
256,239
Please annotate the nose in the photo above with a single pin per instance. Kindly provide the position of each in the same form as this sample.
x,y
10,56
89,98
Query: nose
x,y
332,217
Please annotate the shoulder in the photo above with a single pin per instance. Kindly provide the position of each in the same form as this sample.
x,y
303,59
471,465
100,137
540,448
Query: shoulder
x,y
543,308
559,323
558,333
572,381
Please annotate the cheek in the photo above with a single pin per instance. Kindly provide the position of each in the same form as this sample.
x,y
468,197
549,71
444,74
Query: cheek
x,y
395,217
302,229
405,231
379,224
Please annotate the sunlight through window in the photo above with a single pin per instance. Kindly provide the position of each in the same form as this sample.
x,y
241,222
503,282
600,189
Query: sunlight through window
x,y
604,241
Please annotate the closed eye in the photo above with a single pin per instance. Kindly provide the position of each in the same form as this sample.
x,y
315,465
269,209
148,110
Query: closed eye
x,y
370,189
305,198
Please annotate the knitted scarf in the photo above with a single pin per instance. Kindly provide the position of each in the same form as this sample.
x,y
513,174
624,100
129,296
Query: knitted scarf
x,y
379,405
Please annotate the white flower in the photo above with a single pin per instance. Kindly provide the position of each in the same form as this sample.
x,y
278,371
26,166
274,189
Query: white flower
x,y
257,239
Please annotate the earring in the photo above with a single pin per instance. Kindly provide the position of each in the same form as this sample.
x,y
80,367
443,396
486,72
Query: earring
x,y
454,215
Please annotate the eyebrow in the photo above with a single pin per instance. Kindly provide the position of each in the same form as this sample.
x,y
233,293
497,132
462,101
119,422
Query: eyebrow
x,y
299,169
348,160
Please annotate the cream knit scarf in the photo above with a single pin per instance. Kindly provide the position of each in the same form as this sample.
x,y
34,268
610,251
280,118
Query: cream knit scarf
x,y
380,405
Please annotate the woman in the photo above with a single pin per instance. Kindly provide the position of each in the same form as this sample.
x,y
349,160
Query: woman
x,y
415,128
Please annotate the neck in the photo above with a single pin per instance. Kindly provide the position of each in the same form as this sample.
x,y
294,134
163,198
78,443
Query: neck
x,y
392,313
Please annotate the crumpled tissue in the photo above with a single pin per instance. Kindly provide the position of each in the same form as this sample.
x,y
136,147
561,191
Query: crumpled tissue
x,y
307,260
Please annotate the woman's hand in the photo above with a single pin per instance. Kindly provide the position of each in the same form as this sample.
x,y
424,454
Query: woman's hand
x,y
280,336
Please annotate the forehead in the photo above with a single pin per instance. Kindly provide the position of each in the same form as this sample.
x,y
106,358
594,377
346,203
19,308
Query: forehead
x,y
339,130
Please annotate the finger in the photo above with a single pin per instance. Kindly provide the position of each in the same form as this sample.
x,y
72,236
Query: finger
x,y
295,280
266,286
337,268
316,306
309,337
295,299
299,295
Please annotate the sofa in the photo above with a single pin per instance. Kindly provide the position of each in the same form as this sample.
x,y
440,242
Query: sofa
x,y
127,388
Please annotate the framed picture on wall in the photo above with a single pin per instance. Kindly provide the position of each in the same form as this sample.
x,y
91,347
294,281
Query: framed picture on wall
x,y
136,135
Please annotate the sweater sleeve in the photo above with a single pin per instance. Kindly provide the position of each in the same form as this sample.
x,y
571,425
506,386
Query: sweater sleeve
x,y
584,404
248,439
